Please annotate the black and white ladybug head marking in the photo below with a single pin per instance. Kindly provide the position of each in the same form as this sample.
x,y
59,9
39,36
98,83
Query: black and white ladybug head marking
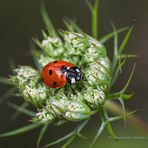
x,y
74,74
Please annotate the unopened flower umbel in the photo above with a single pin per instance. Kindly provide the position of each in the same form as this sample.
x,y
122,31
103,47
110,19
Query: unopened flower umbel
x,y
53,106
72,80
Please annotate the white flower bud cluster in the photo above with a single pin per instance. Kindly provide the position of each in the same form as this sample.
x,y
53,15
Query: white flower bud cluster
x,y
50,40
75,42
45,116
96,70
98,73
59,107
97,67
94,97
65,109
77,111
52,46
36,94
72,39
26,79
24,74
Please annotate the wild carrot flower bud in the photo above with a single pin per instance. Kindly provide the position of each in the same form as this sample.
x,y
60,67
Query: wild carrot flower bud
x,y
53,107
44,116
98,73
77,111
35,93
52,46
27,80
94,97
70,110
23,74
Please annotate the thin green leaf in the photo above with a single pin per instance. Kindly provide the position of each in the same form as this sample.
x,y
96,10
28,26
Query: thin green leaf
x,y
89,5
7,94
68,26
105,119
69,141
20,109
82,125
72,26
123,109
115,59
81,136
129,80
20,130
119,95
102,127
112,119
110,130
115,41
75,26
5,81
125,40
59,140
105,38
127,96
41,134
116,71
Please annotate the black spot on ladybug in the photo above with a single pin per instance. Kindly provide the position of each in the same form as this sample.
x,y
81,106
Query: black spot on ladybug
x,y
54,83
55,61
50,72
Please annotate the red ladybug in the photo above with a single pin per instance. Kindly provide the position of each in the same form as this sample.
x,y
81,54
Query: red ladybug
x,y
56,74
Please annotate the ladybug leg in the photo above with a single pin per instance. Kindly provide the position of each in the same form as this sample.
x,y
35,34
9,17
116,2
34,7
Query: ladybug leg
x,y
71,80
73,91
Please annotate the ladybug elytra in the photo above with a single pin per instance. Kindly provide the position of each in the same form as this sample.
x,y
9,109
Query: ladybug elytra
x,y
56,74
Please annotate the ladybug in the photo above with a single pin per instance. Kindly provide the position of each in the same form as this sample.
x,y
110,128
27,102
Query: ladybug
x,y
56,74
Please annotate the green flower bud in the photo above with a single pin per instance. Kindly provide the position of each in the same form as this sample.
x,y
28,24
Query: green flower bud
x,y
98,73
76,116
44,116
23,74
27,80
76,42
77,111
36,94
52,46
94,97
82,50
59,106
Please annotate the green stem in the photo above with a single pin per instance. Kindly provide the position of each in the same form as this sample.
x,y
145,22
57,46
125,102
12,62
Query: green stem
x,y
94,20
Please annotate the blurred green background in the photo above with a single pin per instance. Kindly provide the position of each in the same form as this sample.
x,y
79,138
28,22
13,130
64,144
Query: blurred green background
x,y
20,20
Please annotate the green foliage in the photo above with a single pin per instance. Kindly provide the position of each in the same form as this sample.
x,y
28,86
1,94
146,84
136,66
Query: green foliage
x,y
94,17
20,130
20,109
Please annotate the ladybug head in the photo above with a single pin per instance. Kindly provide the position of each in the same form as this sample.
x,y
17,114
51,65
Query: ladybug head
x,y
74,74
